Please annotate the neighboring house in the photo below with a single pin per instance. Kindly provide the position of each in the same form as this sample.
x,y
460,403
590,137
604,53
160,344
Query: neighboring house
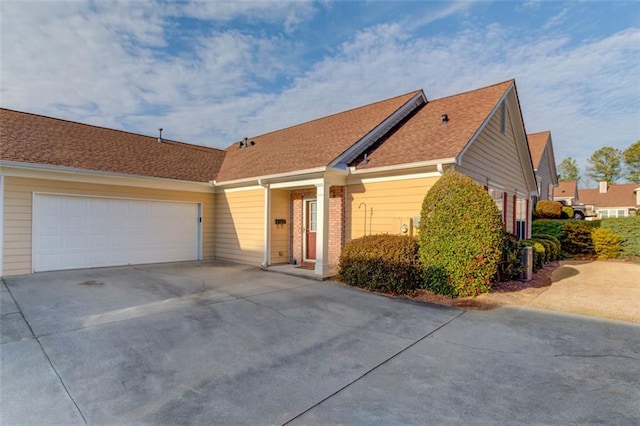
x,y
619,200
78,196
544,163
567,191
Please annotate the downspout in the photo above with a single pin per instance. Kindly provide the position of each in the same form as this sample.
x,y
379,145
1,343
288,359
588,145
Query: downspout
x,y
267,222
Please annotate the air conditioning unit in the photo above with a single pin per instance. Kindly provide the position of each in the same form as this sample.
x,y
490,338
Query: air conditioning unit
x,y
527,264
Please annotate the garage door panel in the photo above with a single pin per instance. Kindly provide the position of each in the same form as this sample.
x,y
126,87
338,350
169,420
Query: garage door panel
x,y
80,232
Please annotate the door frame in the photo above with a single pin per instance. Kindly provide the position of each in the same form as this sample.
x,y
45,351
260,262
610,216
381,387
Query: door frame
x,y
305,213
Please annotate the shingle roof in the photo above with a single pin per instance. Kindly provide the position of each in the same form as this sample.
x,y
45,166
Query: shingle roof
x,y
423,137
34,138
308,145
537,143
618,195
567,189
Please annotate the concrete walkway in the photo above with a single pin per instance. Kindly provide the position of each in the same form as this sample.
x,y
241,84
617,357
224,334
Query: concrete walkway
x,y
602,289
202,343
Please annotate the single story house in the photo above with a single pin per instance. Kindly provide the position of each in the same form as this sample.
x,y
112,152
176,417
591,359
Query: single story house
x,y
76,196
619,200
544,163
567,191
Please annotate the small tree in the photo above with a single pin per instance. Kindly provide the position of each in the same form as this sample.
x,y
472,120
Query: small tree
x,y
632,160
605,164
568,170
461,235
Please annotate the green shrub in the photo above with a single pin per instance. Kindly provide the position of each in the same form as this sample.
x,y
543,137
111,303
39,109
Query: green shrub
x,y
555,247
548,249
386,263
538,253
461,235
606,244
548,209
510,264
629,230
576,238
567,212
558,229
548,227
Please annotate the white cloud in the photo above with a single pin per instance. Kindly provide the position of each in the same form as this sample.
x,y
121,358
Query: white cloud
x,y
106,61
107,64
291,13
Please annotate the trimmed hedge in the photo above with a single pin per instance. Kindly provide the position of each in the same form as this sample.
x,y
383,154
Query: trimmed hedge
x,y
606,244
461,237
386,263
548,227
555,246
547,209
576,238
629,230
574,235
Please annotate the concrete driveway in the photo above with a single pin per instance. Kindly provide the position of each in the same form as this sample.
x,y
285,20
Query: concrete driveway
x,y
204,343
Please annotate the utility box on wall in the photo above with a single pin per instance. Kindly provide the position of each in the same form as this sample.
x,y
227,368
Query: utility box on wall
x,y
402,226
527,264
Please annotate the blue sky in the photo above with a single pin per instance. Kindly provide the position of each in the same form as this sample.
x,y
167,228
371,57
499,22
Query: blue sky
x,y
212,73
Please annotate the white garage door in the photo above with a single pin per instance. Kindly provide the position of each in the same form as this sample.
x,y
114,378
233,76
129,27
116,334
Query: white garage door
x,y
72,232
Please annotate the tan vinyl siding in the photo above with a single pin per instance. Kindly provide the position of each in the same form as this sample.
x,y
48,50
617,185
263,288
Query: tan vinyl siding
x,y
388,205
18,198
493,160
494,156
239,226
279,233
544,172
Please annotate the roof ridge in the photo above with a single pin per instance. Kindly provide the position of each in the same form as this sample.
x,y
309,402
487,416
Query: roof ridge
x,y
170,141
414,92
538,133
512,80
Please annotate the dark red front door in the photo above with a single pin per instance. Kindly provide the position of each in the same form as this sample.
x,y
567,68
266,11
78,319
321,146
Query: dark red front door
x,y
311,227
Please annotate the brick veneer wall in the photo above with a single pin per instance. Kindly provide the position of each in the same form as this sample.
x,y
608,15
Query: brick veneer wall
x,y
336,222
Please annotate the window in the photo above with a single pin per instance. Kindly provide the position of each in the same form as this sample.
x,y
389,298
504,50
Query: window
x,y
498,197
521,218
605,213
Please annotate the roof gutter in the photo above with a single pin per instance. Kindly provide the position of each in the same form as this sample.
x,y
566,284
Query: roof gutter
x,y
258,179
438,163
75,170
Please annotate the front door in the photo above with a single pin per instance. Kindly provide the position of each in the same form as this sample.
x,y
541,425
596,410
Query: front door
x,y
311,226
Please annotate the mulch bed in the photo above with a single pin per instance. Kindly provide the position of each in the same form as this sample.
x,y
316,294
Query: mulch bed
x,y
501,294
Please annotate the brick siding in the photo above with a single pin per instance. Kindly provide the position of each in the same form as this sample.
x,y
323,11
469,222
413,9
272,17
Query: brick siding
x,y
336,222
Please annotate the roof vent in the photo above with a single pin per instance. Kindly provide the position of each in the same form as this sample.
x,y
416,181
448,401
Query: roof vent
x,y
365,160
160,136
444,118
246,143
